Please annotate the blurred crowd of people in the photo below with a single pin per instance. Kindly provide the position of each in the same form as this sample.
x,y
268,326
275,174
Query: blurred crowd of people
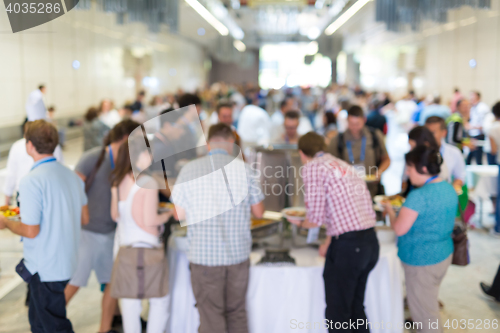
x,y
342,128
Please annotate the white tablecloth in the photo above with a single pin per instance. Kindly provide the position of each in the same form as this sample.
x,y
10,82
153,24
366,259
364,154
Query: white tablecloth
x,y
483,179
277,295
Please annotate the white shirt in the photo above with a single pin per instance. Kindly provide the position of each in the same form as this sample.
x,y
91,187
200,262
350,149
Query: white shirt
x,y
477,114
342,121
35,107
254,125
454,161
19,163
489,120
402,117
110,118
494,133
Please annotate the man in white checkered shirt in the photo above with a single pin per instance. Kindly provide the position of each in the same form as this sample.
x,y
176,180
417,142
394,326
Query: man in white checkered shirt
x,y
214,195
336,197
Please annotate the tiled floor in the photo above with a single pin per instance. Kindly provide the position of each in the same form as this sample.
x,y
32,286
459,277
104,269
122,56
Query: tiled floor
x,y
460,290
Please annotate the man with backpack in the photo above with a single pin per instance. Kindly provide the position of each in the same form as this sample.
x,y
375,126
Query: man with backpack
x,y
363,147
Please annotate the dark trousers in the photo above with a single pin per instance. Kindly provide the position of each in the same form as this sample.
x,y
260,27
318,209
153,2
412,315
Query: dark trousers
x,y
47,307
495,287
220,293
497,210
477,153
492,159
349,260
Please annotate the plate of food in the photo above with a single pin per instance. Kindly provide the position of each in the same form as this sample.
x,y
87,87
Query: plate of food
x,y
165,207
370,178
11,213
296,213
396,201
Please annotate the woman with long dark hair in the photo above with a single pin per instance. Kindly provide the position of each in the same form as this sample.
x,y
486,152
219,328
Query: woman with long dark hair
x,y
134,206
424,226
97,237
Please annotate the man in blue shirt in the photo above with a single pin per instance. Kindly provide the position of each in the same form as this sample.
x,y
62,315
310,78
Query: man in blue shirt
x,y
54,205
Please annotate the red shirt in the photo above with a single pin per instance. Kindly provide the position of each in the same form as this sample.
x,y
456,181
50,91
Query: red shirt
x,y
335,196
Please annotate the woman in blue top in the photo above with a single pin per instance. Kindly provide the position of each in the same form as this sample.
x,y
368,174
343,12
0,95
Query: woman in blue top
x,y
424,226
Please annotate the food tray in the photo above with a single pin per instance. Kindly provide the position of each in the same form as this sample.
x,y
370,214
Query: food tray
x,y
265,229
165,207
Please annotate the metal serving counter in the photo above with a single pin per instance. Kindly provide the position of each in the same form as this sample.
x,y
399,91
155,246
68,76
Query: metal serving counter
x,y
279,167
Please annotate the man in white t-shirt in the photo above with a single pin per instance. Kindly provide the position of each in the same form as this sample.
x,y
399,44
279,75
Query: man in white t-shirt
x,y
478,112
19,163
35,106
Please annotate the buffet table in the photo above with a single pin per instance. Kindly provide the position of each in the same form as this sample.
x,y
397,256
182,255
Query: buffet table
x,y
278,295
483,179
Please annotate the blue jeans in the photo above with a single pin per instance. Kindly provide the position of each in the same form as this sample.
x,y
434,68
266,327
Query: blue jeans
x,y
492,159
497,213
47,307
477,153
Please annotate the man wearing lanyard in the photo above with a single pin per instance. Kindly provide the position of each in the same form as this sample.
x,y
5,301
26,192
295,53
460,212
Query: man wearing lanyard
x,y
362,147
217,215
336,197
53,207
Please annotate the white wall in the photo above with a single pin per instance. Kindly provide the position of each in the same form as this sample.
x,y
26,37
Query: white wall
x,y
469,34
45,54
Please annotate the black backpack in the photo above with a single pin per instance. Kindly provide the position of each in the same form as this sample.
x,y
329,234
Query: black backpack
x,y
375,145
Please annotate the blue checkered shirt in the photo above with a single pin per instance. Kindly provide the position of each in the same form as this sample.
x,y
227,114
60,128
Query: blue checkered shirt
x,y
224,238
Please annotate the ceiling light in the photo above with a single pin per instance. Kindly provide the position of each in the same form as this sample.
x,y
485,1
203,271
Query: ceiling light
x,y
198,7
239,45
345,16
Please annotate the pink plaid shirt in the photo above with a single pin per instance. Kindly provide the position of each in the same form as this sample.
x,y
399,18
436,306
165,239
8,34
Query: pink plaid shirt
x,y
336,196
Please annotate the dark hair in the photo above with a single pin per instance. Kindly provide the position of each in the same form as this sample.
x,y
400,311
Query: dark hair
x,y
285,101
40,87
436,99
423,137
220,130
189,99
117,133
355,111
173,117
141,93
344,104
436,120
456,90
460,101
123,166
478,94
411,92
43,135
92,113
129,107
330,118
496,110
224,104
51,108
311,143
292,115
423,156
